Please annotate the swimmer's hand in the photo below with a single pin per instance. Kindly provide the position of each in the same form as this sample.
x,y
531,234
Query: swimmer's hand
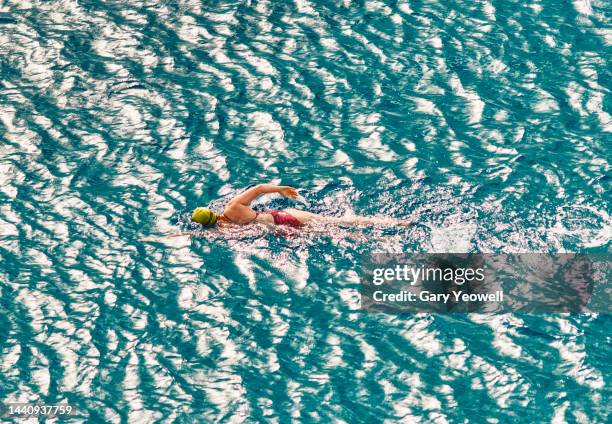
x,y
288,192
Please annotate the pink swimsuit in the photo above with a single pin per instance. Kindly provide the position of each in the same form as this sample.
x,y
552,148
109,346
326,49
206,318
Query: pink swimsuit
x,y
280,218
285,218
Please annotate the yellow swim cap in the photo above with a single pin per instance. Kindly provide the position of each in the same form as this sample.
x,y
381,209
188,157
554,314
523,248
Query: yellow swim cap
x,y
204,216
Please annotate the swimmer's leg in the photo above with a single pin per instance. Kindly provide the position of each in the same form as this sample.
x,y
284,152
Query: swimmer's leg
x,y
308,217
367,221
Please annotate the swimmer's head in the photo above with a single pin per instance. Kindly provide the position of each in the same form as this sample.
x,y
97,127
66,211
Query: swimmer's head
x,y
204,216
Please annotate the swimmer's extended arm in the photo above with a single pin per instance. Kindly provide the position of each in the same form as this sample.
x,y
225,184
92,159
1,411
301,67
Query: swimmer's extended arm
x,y
254,192
239,209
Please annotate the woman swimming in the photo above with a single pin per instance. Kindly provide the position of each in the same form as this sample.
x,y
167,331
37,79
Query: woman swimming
x,y
238,211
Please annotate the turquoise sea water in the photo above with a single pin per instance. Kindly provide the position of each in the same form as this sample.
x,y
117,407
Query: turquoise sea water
x,y
488,122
